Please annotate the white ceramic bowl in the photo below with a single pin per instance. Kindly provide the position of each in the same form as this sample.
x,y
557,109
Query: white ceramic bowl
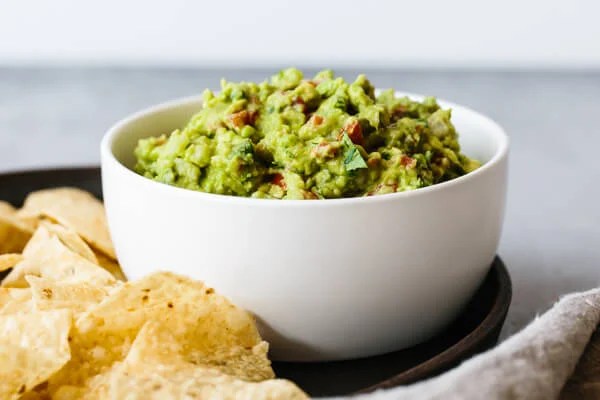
x,y
327,279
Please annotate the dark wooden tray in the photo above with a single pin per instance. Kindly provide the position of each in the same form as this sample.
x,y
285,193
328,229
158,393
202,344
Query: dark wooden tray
x,y
474,331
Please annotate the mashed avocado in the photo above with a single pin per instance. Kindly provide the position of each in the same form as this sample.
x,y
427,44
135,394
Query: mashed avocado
x,y
296,138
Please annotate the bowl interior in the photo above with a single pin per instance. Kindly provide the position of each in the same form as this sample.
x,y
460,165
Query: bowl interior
x,y
164,118
480,137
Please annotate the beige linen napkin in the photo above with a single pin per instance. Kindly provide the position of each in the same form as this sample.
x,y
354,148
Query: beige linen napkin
x,y
584,384
533,364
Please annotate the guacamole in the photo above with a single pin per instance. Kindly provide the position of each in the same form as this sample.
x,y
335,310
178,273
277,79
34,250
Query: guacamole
x,y
296,138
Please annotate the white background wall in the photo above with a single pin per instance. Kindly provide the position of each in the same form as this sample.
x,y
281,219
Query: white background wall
x,y
428,33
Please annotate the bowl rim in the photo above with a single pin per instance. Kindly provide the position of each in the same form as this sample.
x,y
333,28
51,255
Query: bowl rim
x,y
116,130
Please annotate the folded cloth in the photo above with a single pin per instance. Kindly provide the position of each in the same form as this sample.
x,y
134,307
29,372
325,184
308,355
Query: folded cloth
x,y
536,363
584,384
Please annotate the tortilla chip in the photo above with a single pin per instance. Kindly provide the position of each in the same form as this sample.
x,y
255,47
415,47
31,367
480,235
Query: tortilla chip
x,y
155,368
207,326
46,256
111,266
14,234
184,381
15,300
162,337
12,238
69,392
35,246
48,294
72,240
155,343
9,260
6,208
34,346
34,396
73,208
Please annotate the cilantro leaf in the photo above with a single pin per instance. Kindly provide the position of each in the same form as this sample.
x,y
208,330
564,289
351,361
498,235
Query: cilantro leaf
x,y
352,158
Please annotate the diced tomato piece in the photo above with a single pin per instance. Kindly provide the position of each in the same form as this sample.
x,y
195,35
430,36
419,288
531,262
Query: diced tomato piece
x,y
301,104
407,161
252,117
239,119
316,120
278,180
354,132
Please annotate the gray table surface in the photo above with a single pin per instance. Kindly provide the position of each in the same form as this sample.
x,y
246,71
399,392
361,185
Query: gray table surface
x,y
551,239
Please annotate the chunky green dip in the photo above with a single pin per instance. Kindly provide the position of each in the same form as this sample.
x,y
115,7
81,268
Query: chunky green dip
x,y
296,138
